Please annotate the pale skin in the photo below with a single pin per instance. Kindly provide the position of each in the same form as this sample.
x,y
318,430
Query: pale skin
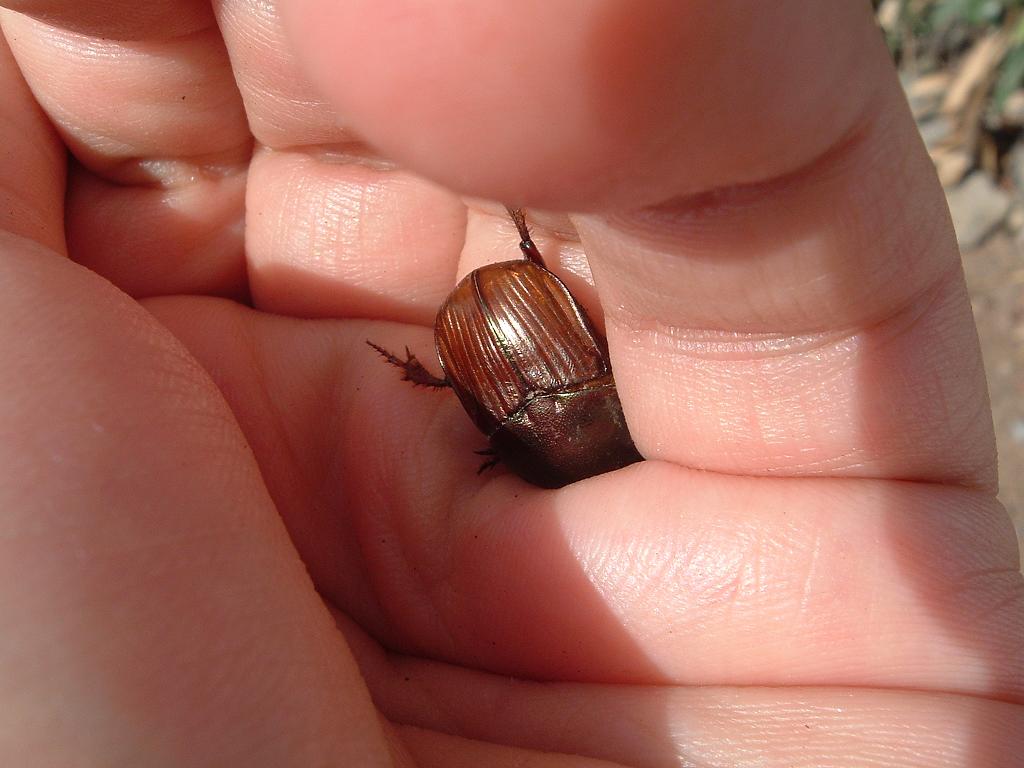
x,y
231,535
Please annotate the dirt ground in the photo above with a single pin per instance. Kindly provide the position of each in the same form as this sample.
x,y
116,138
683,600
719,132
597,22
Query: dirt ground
x,y
995,278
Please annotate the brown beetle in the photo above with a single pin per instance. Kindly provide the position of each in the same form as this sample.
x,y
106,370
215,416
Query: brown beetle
x,y
530,370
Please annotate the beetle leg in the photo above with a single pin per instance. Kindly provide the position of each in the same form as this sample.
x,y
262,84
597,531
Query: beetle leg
x,y
526,245
490,463
412,369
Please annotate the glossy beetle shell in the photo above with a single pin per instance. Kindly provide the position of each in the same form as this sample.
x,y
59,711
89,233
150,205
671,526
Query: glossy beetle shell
x,y
533,374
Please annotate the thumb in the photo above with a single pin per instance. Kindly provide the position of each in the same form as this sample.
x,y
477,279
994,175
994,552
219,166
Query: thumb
x,y
579,106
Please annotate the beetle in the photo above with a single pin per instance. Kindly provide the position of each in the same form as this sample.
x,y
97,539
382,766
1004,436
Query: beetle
x,y
530,369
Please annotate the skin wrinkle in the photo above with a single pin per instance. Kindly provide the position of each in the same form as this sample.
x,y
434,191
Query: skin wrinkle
x,y
94,50
177,172
810,575
95,17
729,705
874,341
921,243
270,406
715,344
915,305
83,126
660,222
377,487
29,217
830,165
347,153
432,591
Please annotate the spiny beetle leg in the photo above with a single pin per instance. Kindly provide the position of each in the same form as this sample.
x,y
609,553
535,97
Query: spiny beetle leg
x,y
490,463
412,368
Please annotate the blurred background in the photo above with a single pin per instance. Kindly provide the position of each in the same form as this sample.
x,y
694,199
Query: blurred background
x,y
961,63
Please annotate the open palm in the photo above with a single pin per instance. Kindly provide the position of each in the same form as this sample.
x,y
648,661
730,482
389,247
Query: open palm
x,y
231,535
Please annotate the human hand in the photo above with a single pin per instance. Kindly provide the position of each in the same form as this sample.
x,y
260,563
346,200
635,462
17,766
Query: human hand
x,y
232,536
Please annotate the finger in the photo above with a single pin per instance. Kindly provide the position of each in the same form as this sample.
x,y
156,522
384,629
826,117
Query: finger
x,y
150,600
331,237
158,129
431,749
333,229
838,342
778,307
744,730
32,169
573,106
650,574
662,726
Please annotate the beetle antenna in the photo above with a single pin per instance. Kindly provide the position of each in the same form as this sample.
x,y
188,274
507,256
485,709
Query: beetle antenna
x,y
526,244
